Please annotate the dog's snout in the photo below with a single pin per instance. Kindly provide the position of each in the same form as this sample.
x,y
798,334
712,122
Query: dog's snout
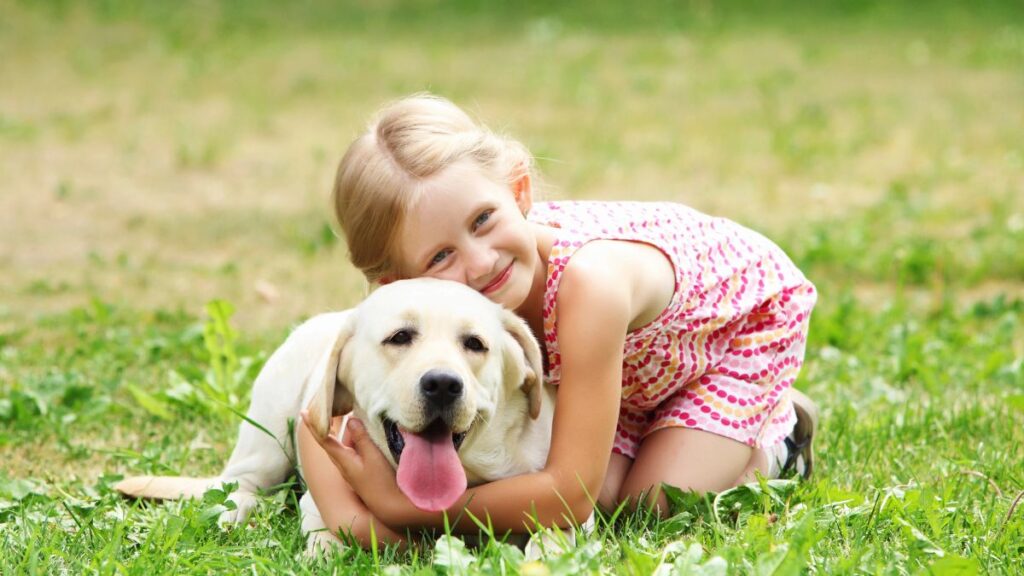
x,y
440,387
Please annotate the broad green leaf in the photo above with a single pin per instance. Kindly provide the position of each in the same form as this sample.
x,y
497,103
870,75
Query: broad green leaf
x,y
451,553
17,488
150,403
680,501
752,497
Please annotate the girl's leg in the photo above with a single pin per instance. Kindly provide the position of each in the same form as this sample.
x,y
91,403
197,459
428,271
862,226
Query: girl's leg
x,y
758,465
618,467
703,461
690,459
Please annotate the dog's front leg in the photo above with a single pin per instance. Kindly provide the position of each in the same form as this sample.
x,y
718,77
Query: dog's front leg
x,y
263,456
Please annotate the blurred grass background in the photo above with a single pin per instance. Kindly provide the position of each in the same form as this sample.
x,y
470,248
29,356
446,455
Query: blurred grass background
x,y
163,154
155,156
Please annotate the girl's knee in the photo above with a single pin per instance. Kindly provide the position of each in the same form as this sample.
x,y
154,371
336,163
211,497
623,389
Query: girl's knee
x,y
688,459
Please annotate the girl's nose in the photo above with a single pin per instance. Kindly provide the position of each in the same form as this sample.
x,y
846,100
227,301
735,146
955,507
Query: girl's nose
x,y
480,263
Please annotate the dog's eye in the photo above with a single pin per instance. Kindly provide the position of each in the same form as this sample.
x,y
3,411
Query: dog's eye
x,y
400,338
474,344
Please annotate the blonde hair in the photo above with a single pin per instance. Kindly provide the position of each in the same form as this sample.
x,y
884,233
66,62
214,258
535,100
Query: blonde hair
x,y
379,179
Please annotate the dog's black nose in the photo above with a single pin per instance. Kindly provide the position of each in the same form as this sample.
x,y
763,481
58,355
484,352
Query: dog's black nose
x,y
440,387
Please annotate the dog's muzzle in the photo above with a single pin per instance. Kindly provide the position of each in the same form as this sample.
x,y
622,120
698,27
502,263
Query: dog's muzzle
x,y
441,391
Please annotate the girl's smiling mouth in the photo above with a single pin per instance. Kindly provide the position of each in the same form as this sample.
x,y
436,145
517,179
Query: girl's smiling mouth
x,y
499,280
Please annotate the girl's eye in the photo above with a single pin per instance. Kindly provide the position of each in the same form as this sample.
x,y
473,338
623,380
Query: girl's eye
x,y
438,258
482,219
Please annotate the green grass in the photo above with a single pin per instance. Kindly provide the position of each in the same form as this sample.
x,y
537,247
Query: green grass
x,y
163,160
919,461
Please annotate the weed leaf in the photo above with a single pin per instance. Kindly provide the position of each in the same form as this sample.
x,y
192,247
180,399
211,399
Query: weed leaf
x,y
451,553
149,402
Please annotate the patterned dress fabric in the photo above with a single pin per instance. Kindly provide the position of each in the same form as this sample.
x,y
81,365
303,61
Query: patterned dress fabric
x,y
724,353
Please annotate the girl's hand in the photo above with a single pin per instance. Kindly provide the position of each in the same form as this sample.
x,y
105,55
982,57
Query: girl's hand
x,y
365,469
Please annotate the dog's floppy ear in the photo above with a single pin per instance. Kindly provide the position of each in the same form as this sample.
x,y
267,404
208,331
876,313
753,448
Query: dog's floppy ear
x,y
332,397
528,350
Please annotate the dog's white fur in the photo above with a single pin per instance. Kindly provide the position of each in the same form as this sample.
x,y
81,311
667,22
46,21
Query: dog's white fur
x,y
342,361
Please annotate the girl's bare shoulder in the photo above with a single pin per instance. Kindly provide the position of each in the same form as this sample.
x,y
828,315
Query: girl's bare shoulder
x,y
636,275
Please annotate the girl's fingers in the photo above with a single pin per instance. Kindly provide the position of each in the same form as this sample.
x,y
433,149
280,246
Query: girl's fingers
x,y
345,458
356,436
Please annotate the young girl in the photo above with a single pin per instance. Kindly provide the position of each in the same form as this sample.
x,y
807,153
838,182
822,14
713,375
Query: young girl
x,y
674,337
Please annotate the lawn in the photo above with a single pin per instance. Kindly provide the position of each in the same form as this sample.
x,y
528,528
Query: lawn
x,y
164,223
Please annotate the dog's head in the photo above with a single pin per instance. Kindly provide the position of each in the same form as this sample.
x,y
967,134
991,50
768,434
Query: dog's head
x,y
427,365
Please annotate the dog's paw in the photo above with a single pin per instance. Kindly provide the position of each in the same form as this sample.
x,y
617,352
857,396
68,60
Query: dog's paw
x,y
322,543
549,541
554,540
244,503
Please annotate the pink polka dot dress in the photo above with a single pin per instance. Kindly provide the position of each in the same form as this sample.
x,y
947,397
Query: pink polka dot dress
x,y
724,353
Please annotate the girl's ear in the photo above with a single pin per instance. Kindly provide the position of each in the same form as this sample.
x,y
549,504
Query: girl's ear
x,y
522,189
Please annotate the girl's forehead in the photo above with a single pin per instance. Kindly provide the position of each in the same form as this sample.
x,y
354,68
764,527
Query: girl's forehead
x,y
453,194
464,178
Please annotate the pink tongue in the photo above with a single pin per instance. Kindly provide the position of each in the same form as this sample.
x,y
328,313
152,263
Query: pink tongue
x,y
429,471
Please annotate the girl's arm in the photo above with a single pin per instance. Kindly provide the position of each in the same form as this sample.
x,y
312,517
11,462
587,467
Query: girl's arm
x,y
594,314
339,506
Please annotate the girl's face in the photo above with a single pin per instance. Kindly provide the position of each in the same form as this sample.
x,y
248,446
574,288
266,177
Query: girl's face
x,y
471,229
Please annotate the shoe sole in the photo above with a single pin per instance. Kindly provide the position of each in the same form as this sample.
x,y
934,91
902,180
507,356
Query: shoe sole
x,y
806,424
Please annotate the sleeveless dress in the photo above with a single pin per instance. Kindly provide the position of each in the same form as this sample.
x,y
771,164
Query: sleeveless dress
x,y
724,353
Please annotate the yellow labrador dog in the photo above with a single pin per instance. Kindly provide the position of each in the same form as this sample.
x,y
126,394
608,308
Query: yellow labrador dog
x,y
448,383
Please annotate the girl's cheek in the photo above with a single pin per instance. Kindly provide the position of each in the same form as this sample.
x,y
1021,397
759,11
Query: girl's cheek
x,y
446,274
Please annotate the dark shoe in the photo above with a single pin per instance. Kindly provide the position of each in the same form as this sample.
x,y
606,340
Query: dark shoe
x,y
800,444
